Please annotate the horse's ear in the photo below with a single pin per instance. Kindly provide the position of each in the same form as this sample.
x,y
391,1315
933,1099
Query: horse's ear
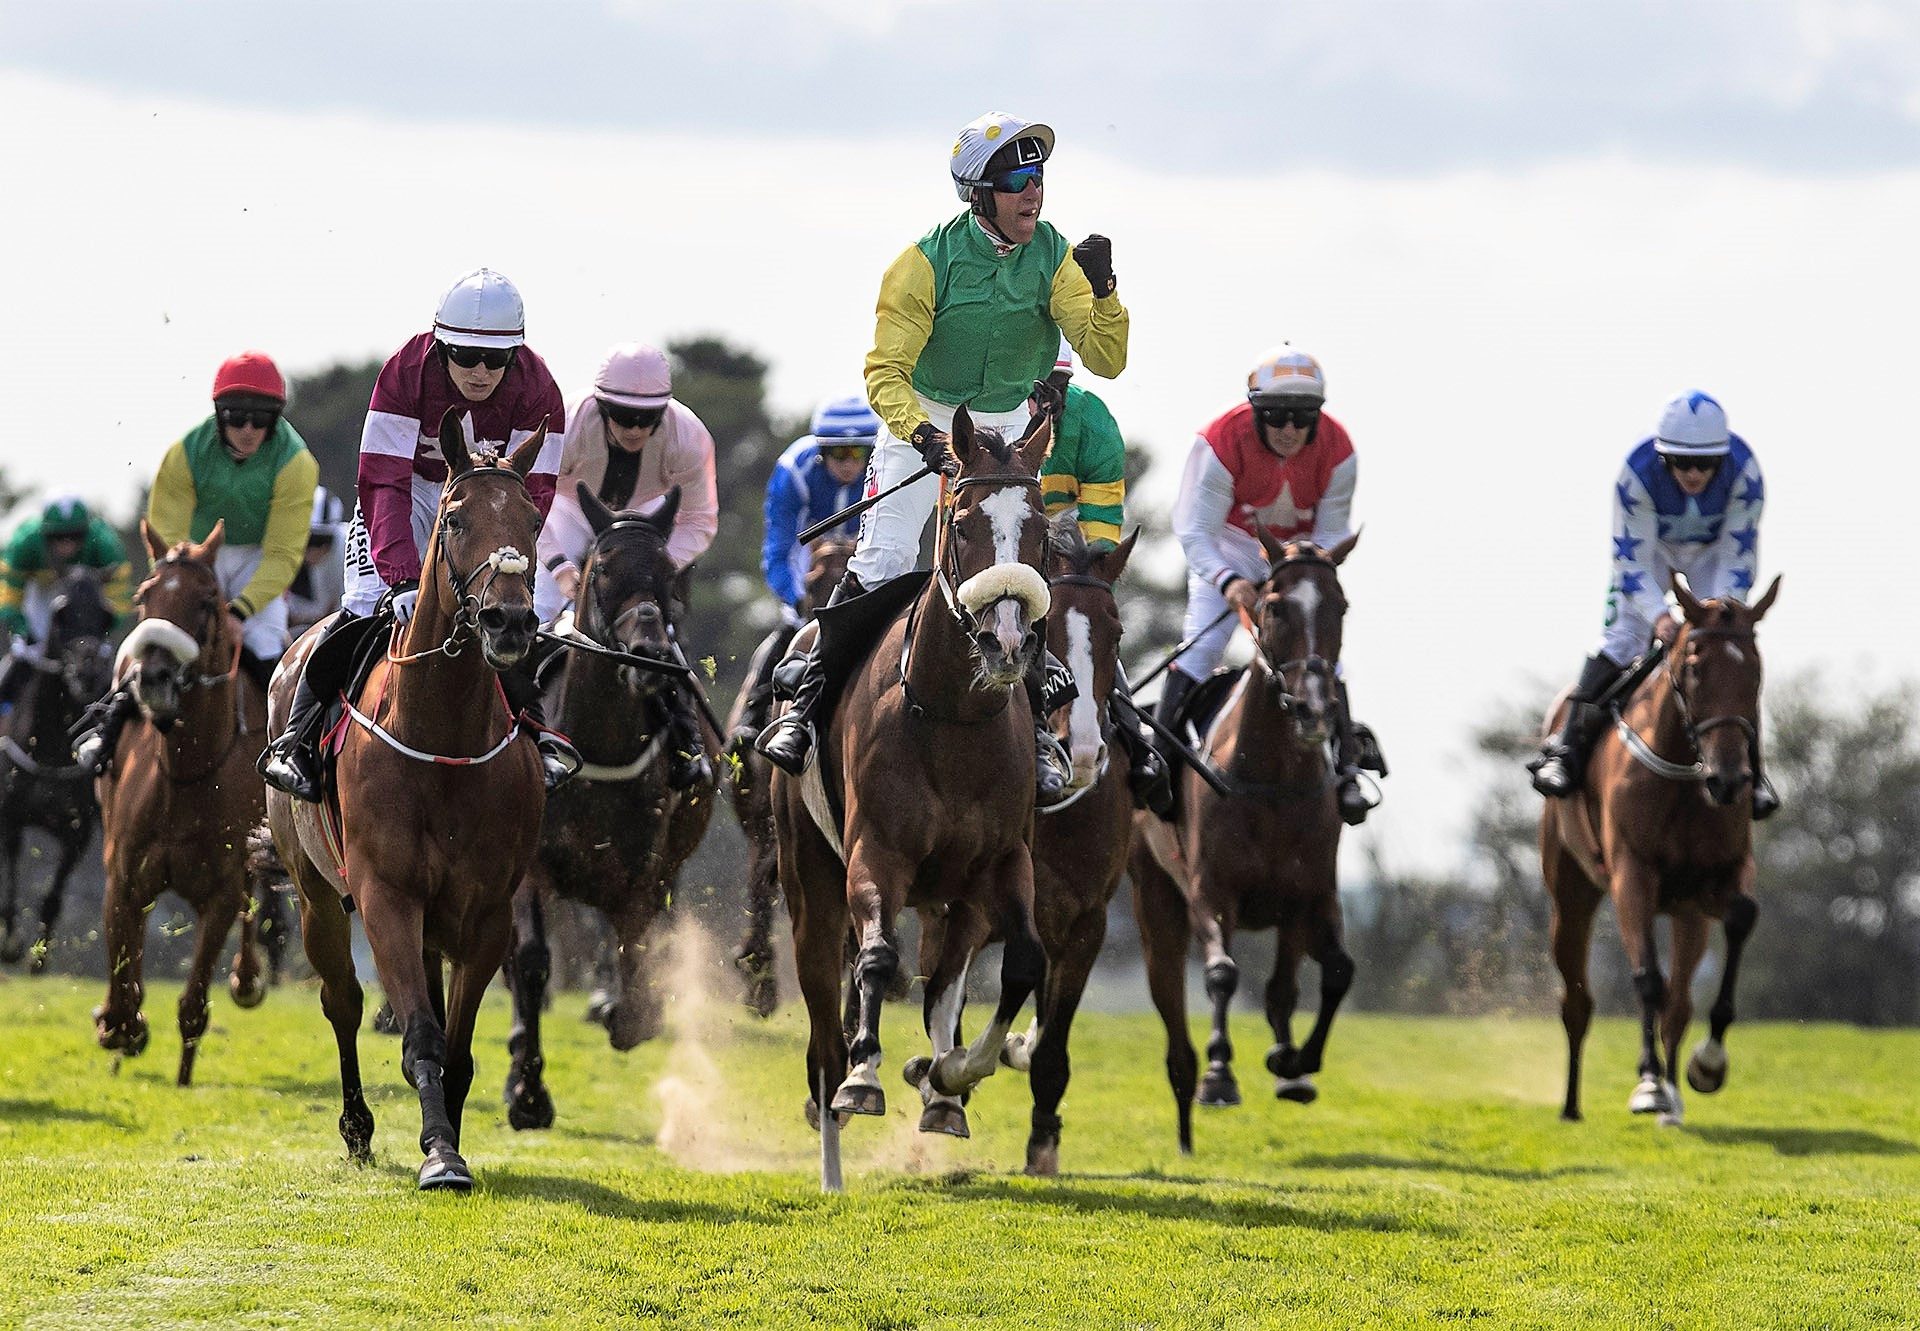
x,y
1276,549
206,550
1036,442
661,519
1765,603
1689,603
453,444
960,437
156,548
1112,563
529,451
599,516
1338,555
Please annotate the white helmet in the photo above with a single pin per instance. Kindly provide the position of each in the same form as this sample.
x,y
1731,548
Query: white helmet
x,y
981,139
1286,375
1692,425
482,309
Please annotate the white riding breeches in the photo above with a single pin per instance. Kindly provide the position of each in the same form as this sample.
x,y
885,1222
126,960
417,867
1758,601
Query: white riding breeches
x,y
891,531
365,586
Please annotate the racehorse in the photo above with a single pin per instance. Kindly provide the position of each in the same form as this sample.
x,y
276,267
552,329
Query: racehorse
x,y
1264,857
750,775
1079,844
40,784
181,793
616,835
438,795
1664,825
922,795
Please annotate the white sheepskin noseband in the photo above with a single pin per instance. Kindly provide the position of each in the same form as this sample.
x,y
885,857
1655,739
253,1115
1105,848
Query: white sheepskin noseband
x,y
1002,580
164,634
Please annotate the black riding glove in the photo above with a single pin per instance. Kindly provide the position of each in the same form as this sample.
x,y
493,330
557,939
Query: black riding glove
x,y
1095,257
932,445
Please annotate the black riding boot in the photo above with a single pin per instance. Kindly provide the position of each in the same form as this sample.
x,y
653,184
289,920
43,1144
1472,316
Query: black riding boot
x,y
687,762
1358,751
1147,774
559,760
292,761
759,687
1052,769
98,734
1562,763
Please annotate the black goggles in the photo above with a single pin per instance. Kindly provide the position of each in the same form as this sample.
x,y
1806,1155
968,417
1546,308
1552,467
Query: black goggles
x,y
1304,418
257,418
1017,180
632,418
494,358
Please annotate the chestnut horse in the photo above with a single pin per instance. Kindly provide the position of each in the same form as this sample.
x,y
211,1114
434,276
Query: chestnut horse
x,y
438,796
40,784
922,795
616,835
1263,858
750,775
1664,825
181,794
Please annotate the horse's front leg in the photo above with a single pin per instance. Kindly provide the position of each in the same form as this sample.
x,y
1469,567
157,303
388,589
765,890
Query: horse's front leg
x,y
529,1106
395,927
217,914
876,886
1635,888
1213,923
1707,1069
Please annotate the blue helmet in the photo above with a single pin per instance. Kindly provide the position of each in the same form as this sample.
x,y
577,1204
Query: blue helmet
x,y
846,418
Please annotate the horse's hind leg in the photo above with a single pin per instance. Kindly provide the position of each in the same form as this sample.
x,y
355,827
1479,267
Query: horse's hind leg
x,y
1574,900
1707,1069
1165,936
1050,1066
529,963
217,914
326,935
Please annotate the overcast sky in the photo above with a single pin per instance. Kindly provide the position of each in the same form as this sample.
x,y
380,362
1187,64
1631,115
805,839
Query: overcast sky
x,y
1509,231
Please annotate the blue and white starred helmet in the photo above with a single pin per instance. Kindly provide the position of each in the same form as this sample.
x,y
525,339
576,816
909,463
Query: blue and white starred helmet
x,y
1692,425
846,419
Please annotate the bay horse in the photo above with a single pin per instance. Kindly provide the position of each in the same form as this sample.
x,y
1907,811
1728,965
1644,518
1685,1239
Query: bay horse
x,y
616,836
922,795
180,795
438,795
1264,857
750,776
1663,824
40,784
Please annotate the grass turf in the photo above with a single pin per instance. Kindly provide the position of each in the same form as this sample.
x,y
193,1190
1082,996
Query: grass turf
x,y
1432,1184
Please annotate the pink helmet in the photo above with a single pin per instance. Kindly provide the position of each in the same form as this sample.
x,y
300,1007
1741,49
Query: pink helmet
x,y
634,375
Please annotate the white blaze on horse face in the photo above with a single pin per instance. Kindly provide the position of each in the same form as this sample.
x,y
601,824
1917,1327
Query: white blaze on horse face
x,y
1083,723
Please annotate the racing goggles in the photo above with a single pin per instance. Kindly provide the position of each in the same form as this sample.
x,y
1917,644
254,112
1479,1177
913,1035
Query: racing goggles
x,y
494,358
632,418
1017,180
1304,418
240,418
845,452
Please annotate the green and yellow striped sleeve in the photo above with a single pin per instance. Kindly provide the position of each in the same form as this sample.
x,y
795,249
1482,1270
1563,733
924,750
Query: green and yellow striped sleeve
x,y
903,321
285,542
1097,329
170,504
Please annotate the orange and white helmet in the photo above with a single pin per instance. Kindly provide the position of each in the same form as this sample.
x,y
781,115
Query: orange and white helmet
x,y
1284,375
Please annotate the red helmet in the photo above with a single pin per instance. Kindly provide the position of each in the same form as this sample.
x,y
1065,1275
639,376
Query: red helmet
x,y
251,372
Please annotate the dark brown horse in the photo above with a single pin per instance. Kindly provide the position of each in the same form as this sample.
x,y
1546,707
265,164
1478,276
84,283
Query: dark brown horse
x,y
181,794
1664,825
751,777
40,784
922,795
1263,858
616,835
1080,844
439,798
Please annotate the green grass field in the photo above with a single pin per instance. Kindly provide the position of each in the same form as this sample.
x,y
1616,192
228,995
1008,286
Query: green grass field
x,y
1432,1184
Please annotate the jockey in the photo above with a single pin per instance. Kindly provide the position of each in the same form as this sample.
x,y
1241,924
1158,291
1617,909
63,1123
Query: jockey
x,y
1275,461
1688,501
1086,472
630,442
247,467
319,583
63,535
970,313
818,475
475,357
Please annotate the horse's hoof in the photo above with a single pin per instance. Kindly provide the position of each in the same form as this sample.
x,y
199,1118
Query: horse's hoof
x,y
914,1071
1707,1069
1043,1159
857,1099
1218,1089
529,1108
1300,1090
248,995
946,1118
445,1171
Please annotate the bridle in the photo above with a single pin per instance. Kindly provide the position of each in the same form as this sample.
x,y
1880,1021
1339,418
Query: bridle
x,y
1697,769
467,599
